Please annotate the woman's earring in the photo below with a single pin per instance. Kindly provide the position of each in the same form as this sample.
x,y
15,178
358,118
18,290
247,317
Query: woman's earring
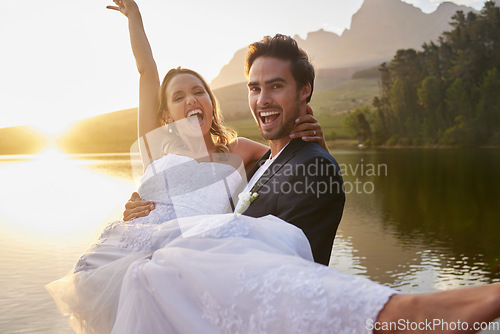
x,y
170,125
172,128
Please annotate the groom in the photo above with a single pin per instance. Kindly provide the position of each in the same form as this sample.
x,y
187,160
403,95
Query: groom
x,y
295,180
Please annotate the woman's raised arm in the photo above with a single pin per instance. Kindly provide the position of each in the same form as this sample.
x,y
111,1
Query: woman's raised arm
x,y
149,82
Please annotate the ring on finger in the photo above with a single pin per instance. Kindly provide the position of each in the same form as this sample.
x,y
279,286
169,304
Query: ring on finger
x,y
314,132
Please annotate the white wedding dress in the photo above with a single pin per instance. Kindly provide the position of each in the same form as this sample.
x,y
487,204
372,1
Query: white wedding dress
x,y
192,266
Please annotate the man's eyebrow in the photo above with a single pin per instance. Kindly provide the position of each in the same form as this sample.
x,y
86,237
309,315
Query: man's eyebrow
x,y
274,80
268,82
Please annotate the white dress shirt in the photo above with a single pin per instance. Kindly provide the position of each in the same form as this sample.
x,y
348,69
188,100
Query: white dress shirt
x,y
258,174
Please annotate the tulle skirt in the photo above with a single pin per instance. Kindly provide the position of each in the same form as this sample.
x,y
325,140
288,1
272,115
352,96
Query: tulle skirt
x,y
213,274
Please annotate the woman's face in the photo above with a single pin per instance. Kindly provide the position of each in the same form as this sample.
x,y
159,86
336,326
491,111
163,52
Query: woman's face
x,y
188,98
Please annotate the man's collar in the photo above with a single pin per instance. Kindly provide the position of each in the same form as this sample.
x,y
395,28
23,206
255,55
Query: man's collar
x,y
277,146
292,147
281,160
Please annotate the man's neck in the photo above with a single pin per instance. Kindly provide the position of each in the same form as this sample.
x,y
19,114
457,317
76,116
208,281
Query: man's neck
x,y
278,144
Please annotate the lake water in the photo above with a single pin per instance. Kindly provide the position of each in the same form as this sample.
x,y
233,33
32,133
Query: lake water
x,y
418,220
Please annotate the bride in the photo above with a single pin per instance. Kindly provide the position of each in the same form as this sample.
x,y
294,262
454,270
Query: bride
x,y
194,266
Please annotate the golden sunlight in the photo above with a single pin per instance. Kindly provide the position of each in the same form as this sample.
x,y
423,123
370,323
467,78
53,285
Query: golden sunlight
x,y
55,198
53,127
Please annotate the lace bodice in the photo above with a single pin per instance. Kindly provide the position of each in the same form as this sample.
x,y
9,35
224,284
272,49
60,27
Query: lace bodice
x,y
180,187
183,187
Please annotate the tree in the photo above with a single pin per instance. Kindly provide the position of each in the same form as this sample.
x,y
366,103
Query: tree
x,y
447,93
429,95
457,100
488,107
357,124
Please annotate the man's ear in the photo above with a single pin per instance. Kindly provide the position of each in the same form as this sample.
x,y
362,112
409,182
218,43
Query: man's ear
x,y
305,91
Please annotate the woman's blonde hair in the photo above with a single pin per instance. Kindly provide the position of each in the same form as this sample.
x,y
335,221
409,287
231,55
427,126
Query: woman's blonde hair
x,y
221,135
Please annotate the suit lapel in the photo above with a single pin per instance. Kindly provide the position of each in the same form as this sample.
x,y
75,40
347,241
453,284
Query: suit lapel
x,y
257,165
281,160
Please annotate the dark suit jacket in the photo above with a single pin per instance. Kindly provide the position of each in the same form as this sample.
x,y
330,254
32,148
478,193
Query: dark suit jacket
x,y
303,187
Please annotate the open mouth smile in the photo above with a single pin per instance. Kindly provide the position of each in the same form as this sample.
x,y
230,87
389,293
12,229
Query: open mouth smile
x,y
268,117
196,112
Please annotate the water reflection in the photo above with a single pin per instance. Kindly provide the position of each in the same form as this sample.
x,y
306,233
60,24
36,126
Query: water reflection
x,y
430,223
52,197
51,207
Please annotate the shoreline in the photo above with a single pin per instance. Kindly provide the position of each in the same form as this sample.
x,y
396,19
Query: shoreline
x,y
332,144
353,143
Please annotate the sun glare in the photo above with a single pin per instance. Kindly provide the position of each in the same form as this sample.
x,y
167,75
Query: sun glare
x,y
55,198
52,155
52,128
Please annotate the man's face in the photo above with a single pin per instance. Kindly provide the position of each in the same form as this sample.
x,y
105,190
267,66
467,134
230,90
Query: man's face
x,y
273,97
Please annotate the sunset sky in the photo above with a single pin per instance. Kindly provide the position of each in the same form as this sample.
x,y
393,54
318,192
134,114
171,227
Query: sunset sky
x,y
63,60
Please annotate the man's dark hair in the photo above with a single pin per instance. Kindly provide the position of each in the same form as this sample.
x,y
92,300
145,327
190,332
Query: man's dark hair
x,y
286,48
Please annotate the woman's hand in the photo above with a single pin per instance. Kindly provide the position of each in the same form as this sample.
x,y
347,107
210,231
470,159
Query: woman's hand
x,y
308,128
136,207
149,81
124,6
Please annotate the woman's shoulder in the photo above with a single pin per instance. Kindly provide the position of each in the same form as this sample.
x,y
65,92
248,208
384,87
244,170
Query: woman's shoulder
x,y
242,143
250,151
244,146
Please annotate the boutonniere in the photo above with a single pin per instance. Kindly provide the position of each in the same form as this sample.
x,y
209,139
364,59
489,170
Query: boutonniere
x,y
247,197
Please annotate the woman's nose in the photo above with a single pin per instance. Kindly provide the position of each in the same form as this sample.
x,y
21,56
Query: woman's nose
x,y
191,99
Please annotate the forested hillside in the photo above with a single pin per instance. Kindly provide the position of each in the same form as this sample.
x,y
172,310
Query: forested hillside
x,y
447,94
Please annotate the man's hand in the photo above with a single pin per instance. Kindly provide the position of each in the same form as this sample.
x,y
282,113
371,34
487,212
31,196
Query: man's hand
x,y
136,207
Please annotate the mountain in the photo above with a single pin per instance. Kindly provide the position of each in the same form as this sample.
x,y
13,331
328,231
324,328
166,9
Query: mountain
x,y
21,140
111,132
378,29
231,73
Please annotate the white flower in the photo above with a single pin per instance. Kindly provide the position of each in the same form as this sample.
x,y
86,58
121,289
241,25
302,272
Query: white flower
x,y
246,198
